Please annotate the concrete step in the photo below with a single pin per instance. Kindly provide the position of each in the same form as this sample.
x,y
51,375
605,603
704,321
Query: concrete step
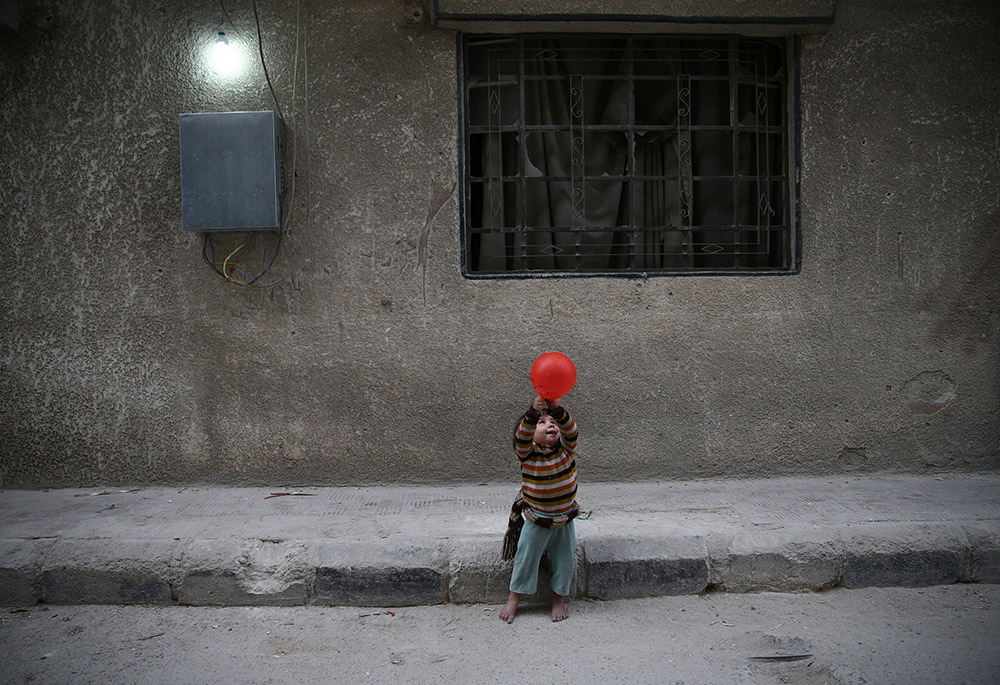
x,y
408,545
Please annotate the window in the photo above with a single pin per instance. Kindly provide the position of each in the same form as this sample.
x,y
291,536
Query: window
x,y
603,155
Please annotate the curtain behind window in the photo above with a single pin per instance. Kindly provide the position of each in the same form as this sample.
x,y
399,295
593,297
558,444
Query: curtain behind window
x,y
672,220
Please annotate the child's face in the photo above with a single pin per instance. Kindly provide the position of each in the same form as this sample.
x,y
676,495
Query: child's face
x,y
547,431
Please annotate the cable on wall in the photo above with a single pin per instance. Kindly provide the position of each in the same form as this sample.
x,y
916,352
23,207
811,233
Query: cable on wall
x,y
263,63
235,267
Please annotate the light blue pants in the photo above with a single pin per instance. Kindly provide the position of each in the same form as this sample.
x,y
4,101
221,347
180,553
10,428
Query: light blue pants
x,y
535,540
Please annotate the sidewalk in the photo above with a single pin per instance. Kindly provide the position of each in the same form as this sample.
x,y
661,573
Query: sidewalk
x,y
406,545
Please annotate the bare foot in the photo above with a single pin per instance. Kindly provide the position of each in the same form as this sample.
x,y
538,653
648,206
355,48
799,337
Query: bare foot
x,y
559,612
510,608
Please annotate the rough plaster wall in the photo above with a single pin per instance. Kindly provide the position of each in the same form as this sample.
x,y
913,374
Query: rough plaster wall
x,y
125,359
901,141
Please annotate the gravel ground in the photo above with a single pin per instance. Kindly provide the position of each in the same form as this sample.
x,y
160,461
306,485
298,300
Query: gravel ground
x,y
945,634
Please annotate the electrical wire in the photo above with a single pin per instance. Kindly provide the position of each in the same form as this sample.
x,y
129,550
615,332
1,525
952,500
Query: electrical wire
x,y
308,155
262,278
292,174
229,19
260,47
244,273
242,248
272,253
204,253
258,280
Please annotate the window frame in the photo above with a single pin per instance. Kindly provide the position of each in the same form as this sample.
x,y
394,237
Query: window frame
x,y
792,134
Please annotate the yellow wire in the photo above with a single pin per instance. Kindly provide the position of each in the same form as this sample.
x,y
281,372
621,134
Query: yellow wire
x,y
239,247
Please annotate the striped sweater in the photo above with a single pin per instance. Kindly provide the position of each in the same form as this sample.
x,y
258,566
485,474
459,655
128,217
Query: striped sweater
x,y
548,475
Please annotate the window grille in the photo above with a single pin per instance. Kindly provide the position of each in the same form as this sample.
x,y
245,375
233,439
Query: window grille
x,y
625,155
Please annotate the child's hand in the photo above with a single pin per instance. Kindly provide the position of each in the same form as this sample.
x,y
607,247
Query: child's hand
x,y
541,405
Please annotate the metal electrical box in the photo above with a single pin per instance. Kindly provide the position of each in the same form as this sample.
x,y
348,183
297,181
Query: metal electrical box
x,y
231,171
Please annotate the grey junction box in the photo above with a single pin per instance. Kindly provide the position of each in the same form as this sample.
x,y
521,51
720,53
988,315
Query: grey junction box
x,y
231,171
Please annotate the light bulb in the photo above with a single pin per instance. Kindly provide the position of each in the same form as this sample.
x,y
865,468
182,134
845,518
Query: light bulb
x,y
225,57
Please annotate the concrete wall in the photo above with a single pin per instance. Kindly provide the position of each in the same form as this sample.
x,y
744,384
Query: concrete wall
x,y
125,359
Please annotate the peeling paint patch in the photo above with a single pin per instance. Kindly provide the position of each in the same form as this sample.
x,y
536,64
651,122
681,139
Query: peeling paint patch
x,y
852,458
928,392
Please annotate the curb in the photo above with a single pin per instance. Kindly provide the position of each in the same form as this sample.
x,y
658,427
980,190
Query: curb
x,y
253,572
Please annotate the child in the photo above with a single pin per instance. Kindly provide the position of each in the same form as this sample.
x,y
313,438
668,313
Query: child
x,y
545,443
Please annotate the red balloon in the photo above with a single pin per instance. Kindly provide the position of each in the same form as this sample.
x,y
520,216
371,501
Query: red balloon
x,y
553,375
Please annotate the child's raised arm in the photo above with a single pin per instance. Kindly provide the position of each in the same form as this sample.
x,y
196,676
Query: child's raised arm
x,y
524,433
567,426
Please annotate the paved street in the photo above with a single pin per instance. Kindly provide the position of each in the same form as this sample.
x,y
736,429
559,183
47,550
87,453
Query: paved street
x,y
941,634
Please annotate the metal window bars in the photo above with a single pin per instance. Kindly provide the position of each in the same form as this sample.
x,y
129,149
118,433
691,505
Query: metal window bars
x,y
625,154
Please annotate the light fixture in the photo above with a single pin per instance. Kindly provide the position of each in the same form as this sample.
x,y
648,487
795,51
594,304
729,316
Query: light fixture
x,y
225,57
